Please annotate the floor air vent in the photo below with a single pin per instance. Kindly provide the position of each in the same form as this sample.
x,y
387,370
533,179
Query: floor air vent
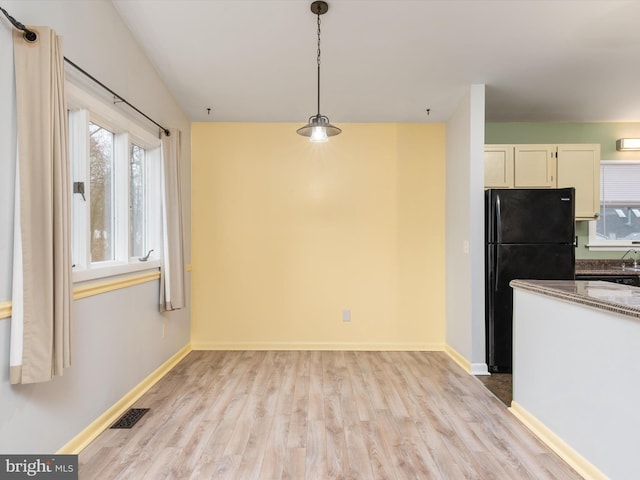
x,y
130,418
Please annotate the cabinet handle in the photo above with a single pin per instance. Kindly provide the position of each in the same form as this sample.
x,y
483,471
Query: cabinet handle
x,y
596,215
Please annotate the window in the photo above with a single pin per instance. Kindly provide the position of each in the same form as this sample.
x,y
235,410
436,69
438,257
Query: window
x,y
115,164
101,172
138,201
618,226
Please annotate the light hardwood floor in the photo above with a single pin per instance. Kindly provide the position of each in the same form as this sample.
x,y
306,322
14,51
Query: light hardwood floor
x,y
320,415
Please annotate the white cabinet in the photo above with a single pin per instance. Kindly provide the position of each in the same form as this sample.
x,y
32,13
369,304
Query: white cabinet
x,y
548,166
534,166
498,166
578,166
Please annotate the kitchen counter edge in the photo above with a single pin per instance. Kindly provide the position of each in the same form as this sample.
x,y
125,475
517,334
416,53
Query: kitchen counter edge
x,y
607,296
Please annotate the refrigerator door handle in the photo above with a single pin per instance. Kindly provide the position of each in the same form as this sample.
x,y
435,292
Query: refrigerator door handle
x,y
497,276
498,220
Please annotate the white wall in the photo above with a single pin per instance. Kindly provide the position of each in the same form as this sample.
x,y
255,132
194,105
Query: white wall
x,y
118,335
465,230
476,241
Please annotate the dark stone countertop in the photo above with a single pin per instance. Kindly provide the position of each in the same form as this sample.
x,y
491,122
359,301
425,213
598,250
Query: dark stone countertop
x,y
604,267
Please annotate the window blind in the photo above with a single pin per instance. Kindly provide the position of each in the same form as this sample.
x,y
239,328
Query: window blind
x,y
620,183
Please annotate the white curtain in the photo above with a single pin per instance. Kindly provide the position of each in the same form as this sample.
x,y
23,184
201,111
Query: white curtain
x,y
172,291
41,299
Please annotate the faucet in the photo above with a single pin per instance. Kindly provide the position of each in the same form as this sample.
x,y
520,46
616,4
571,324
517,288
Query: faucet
x,y
635,260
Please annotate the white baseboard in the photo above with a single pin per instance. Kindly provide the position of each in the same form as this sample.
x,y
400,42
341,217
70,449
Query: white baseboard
x,y
466,365
104,421
555,443
479,369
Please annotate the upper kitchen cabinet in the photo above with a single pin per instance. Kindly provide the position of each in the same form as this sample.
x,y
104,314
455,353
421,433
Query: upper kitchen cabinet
x,y
548,166
578,166
498,166
534,166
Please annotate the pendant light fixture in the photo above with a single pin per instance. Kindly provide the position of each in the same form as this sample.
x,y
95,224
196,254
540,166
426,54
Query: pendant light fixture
x,y
319,129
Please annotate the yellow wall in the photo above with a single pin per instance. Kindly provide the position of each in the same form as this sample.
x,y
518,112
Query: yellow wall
x,y
287,234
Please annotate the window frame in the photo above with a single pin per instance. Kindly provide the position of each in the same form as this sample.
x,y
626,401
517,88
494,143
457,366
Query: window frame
x,y
596,244
83,108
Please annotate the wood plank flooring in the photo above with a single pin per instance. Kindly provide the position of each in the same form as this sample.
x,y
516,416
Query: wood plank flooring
x,y
320,415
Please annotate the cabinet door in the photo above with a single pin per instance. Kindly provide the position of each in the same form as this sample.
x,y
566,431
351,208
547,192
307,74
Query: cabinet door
x,y
498,166
534,166
579,167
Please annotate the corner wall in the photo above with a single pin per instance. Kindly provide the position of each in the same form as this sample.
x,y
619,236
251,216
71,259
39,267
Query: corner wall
x,y
287,234
465,232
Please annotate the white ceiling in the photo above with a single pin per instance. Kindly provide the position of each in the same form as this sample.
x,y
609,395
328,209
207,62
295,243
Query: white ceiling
x,y
390,60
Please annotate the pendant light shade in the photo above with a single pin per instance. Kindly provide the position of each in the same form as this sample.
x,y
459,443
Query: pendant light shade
x,y
319,129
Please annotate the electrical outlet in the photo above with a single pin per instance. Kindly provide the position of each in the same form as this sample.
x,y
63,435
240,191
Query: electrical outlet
x,y
346,315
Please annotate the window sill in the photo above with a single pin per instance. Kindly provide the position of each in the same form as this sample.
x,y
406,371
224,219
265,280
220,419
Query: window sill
x,y
603,247
112,270
85,288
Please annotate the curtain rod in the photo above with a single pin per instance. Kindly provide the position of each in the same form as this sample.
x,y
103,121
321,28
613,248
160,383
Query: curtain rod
x,y
119,97
32,36
28,34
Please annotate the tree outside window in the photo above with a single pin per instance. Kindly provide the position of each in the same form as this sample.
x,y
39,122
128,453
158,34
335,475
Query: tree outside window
x,y
137,201
101,148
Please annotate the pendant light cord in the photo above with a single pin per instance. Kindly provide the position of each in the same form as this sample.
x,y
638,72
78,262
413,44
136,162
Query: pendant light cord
x,y
318,64
318,127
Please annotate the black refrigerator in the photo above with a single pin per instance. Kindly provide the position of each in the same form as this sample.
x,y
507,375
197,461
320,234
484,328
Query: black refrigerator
x,y
530,235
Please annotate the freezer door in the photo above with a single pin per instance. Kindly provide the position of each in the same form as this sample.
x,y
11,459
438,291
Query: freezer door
x,y
524,262
530,215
